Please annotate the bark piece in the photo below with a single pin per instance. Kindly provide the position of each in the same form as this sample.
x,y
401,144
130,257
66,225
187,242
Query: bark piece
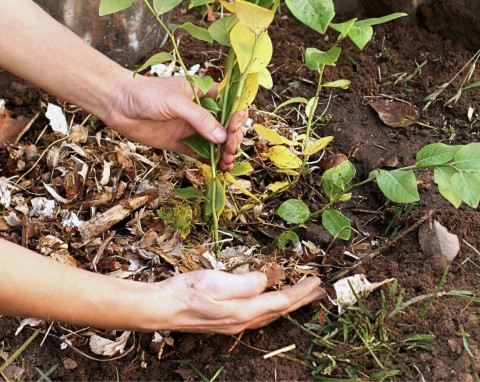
x,y
117,213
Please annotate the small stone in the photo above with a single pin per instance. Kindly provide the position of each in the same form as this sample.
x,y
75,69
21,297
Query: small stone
x,y
69,364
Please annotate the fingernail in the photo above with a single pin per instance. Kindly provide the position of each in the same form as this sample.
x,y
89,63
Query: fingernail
x,y
219,134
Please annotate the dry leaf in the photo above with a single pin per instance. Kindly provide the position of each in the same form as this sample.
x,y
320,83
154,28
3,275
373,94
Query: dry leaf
x,y
395,113
435,239
104,346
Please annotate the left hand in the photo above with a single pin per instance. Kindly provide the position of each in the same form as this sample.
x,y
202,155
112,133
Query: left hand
x,y
160,112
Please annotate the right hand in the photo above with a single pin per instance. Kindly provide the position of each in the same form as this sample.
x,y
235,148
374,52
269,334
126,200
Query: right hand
x,y
210,301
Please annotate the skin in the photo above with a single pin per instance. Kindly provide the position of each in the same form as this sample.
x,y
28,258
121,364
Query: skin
x,y
154,111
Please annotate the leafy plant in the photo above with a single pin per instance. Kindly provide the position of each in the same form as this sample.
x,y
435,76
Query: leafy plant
x,y
244,33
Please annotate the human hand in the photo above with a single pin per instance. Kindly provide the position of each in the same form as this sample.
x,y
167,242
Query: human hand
x,y
210,301
160,112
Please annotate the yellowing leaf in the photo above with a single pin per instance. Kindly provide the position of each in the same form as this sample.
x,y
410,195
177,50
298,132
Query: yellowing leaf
x,y
228,6
222,84
289,172
262,55
282,157
247,207
272,136
252,16
318,145
265,78
249,92
274,187
243,41
206,171
234,181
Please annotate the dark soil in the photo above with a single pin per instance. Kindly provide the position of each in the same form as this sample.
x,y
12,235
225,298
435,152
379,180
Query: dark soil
x,y
369,143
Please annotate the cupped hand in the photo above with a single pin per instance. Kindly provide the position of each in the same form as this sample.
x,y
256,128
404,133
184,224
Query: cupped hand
x,y
160,112
210,301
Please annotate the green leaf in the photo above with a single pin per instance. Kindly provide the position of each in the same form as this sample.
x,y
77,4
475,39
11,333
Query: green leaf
x,y
179,215
220,199
282,157
294,211
211,105
380,20
343,28
164,6
220,29
468,157
398,186
156,59
189,193
292,100
111,6
241,168
467,186
316,14
204,83
197,32
435,154
342,174
198,3
287,240
198,144
442,176
336,223
343,84
316,59
360,35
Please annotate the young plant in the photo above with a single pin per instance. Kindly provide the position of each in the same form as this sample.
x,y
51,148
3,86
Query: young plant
x,y
456,171
244,33
318,15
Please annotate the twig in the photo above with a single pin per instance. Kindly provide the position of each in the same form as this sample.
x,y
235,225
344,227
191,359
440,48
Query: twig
x,y
382,249
279,351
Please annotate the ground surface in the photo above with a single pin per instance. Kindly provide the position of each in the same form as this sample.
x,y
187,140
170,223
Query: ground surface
x,y
454,352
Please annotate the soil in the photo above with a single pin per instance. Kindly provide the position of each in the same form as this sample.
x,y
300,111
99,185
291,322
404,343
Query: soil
x,y
359,133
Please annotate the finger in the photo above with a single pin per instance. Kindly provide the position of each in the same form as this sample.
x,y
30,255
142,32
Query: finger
x,y
238,120
201,119
227,286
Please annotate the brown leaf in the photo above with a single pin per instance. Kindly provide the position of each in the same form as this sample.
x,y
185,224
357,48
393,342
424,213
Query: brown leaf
x,y
274,273
395,113
12,129
435,239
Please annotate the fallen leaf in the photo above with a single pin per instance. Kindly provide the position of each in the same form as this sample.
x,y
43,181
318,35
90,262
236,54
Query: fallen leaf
x,y
435,239
104,346
395,113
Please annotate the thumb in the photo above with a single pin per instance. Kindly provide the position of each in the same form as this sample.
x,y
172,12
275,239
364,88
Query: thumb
x,y
201,120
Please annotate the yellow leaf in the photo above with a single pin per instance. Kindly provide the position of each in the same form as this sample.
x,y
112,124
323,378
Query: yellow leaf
x,y
243,41
282,157
252,16
345,197
262,55
318,145
228,6
289,172
247,207
265,78
232,180
249,92
206,171
272,136
274,187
